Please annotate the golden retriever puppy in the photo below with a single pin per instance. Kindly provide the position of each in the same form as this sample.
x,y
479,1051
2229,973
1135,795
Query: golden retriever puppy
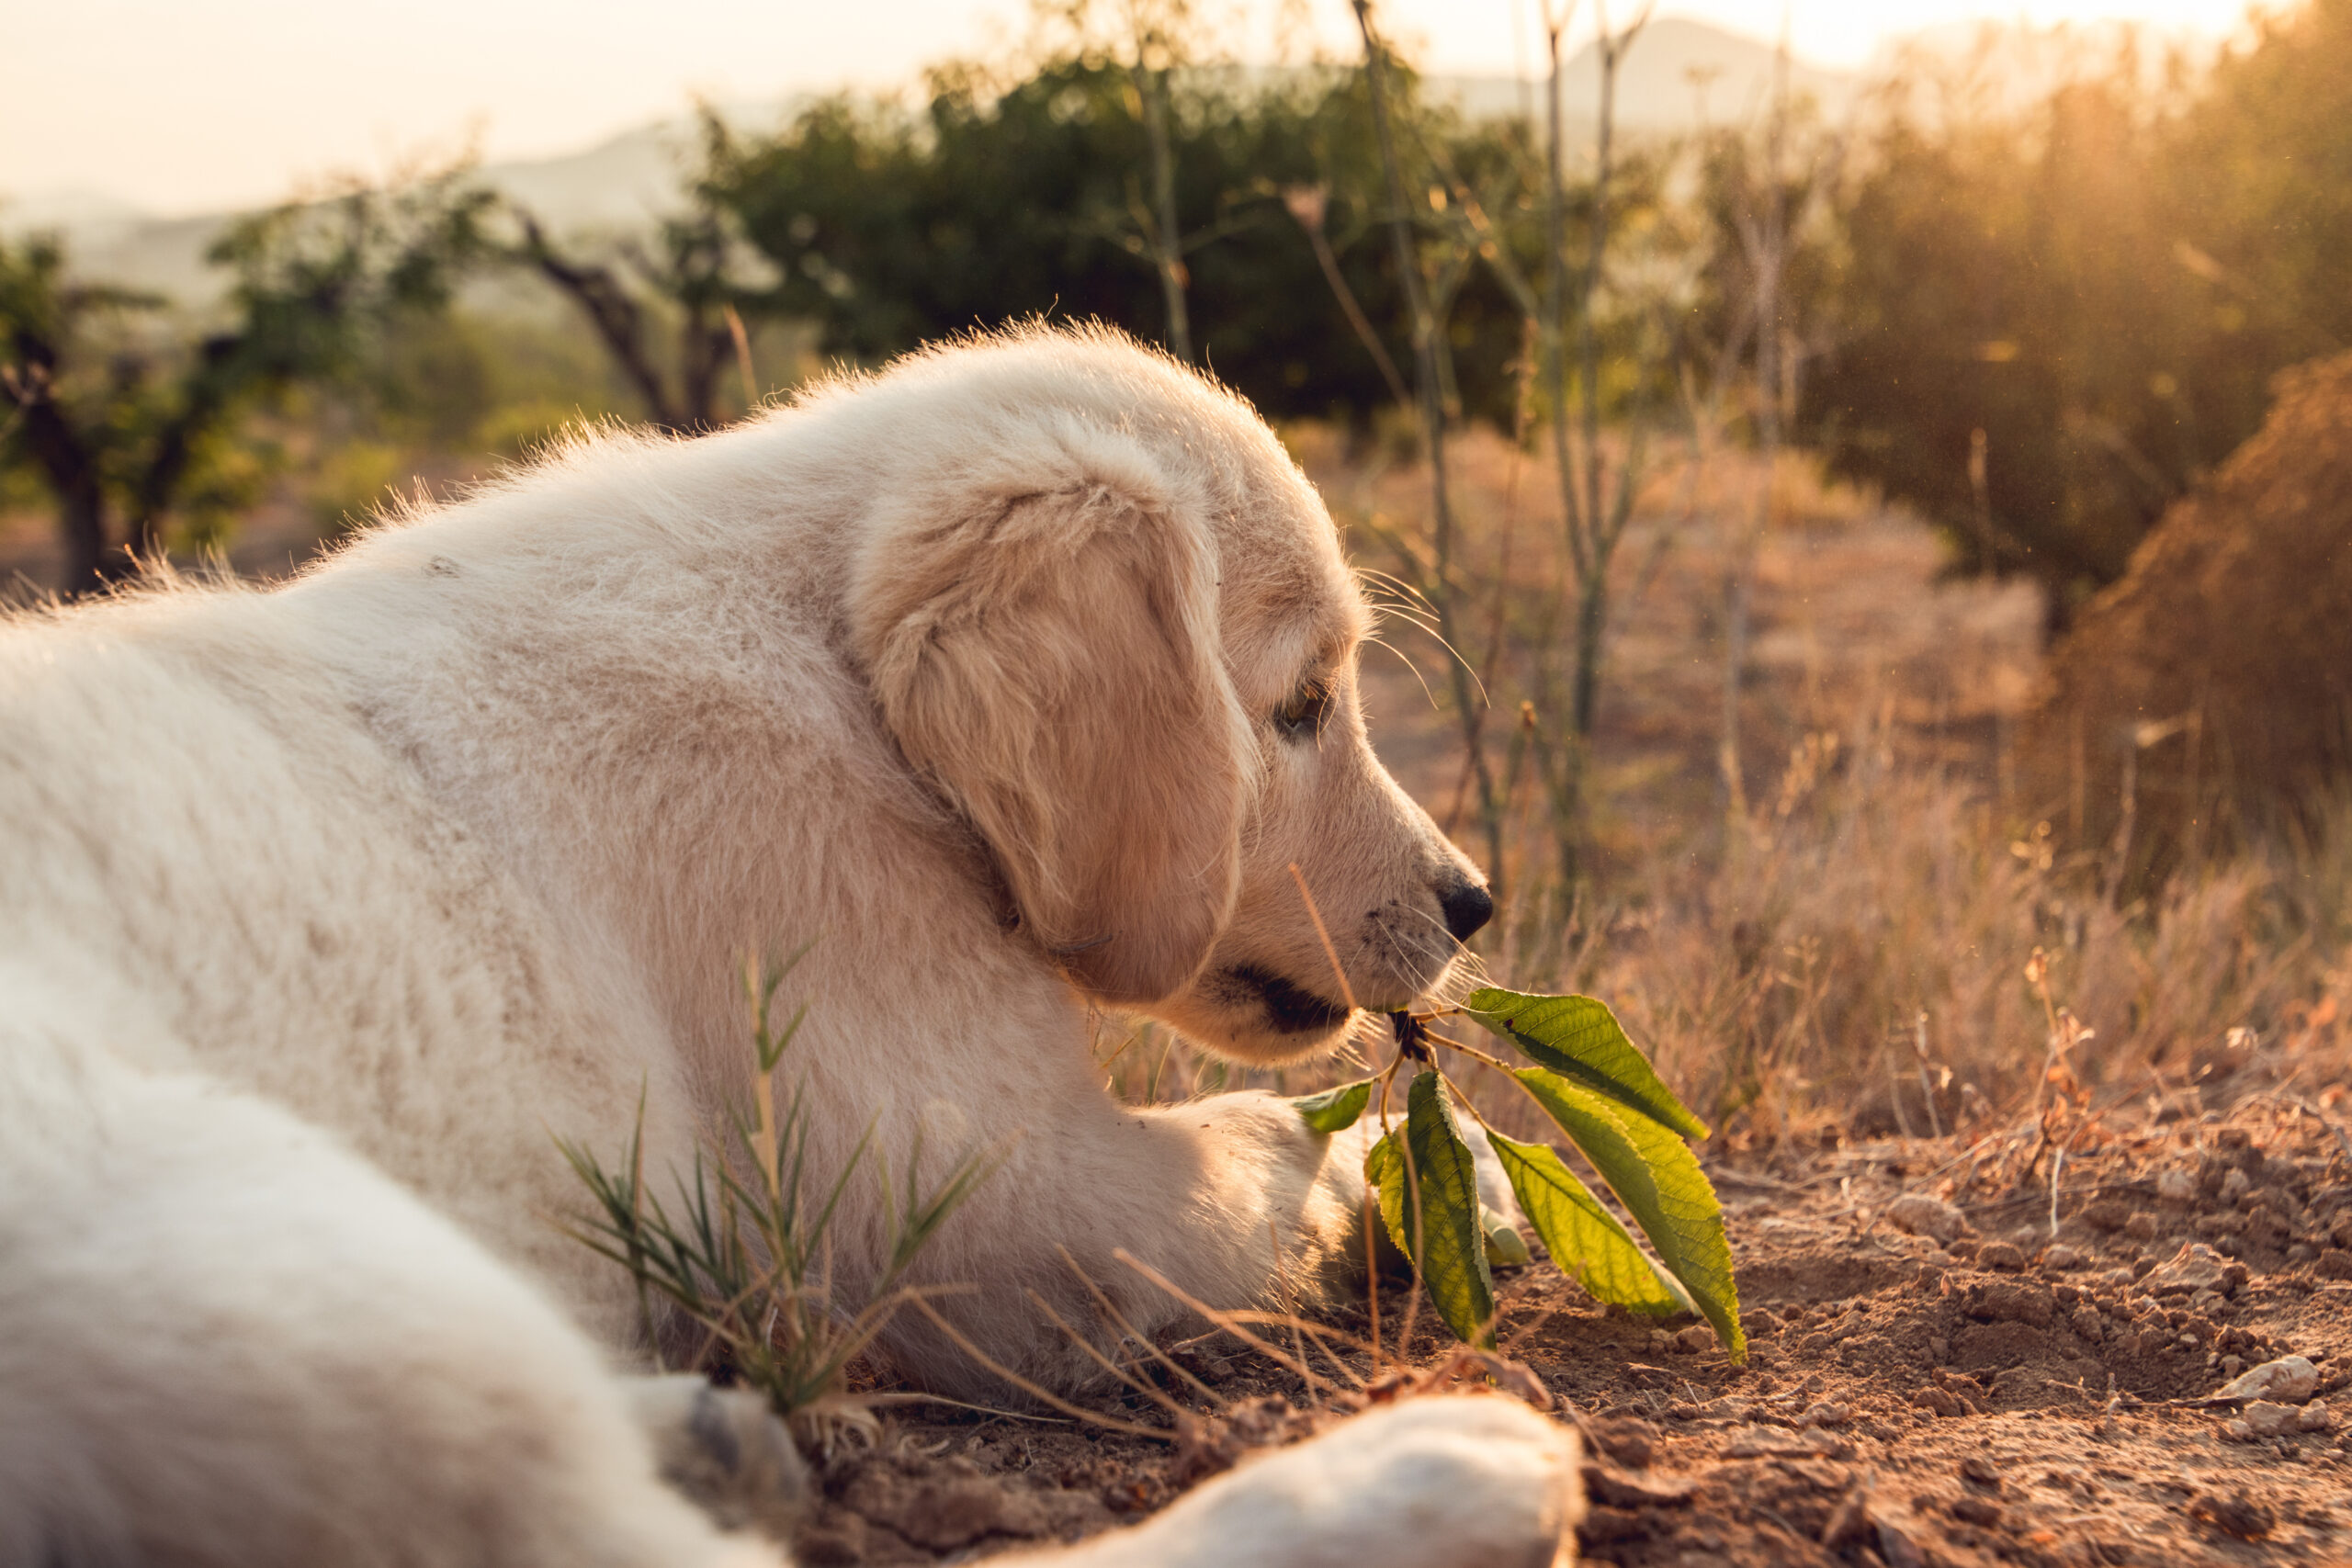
x,y
1010,684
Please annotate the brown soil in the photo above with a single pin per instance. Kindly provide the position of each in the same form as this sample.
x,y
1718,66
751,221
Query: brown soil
x,y
2010,1398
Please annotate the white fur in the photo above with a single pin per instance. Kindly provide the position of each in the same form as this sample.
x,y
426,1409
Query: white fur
x,y
324,910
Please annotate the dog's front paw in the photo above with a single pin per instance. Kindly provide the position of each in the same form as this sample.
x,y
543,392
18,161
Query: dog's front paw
x,y
1454,1481
725,1450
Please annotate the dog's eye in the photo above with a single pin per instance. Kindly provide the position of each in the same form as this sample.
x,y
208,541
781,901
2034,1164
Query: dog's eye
x,y
1301,718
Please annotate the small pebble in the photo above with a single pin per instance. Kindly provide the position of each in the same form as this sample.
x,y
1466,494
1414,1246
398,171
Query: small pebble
x,y
1981,1470
2141,1226
2065,1256
2234,1186
2289,1379
2000,1254
2176,1186
2313,1417
1827,1412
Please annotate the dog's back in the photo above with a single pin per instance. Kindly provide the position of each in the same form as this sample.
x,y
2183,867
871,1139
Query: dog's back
x,y
215,866
213,1312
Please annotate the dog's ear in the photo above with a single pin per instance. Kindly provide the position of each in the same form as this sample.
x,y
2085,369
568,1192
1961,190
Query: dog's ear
x,y
1052,662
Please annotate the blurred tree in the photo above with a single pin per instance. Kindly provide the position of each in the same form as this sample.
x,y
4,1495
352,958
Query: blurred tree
x,y
696,283
999,202
125,414
2051,322
2007,304
2260,170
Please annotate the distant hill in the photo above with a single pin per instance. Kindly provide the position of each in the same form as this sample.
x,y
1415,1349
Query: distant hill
x,y
1678,76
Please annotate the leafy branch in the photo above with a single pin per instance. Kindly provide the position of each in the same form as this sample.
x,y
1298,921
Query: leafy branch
x,y
1603,1095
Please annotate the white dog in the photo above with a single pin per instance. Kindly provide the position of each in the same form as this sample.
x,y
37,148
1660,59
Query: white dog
x,y
1013,681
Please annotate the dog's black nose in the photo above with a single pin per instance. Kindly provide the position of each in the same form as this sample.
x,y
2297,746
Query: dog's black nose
x,y
1466,908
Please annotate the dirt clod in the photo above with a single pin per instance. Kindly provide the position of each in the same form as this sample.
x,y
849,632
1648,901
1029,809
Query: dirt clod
x,y
1919,1214
944,1511
2002,1257
1616,1491
1627,1442
2010,1301
2234,1513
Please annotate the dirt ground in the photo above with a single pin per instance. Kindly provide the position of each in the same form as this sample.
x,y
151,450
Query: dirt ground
x,y
2005,1397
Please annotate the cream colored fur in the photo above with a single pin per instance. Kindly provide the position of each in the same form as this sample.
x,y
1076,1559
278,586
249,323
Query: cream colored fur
x,y
324,910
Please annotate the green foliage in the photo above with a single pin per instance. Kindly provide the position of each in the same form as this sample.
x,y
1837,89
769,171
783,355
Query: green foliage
x,y
1585,1239
1654,1174
1614,1111
1431,1183
1580,1038
745,1256
999,202
129,413
1336,1109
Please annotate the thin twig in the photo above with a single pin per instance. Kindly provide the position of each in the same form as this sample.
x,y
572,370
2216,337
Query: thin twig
x,y
1289,1305
914,1398
1225,1320
1094,1354
1372,1222
1347,993
1103,1301
1313,1331
1108,1423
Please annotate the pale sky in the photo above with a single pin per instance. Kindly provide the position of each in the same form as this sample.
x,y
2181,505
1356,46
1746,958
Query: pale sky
x,y
191,106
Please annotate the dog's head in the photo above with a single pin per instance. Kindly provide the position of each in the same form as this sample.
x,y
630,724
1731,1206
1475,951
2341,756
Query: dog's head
x,y
1108,617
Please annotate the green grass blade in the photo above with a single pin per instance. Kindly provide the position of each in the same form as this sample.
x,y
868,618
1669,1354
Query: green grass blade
x,y
1335,1110
1658,1178
1453,1255
1587,1243
1581,1039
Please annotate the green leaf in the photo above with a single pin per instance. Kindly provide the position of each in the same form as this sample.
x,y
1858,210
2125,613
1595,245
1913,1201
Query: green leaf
x,y
1383,1172
1580,1038
1658,1178
1453,1255
1335,1110
1587,1243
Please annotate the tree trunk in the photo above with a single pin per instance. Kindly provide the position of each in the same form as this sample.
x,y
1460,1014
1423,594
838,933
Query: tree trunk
x,y
70,467
1168,247
616,318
